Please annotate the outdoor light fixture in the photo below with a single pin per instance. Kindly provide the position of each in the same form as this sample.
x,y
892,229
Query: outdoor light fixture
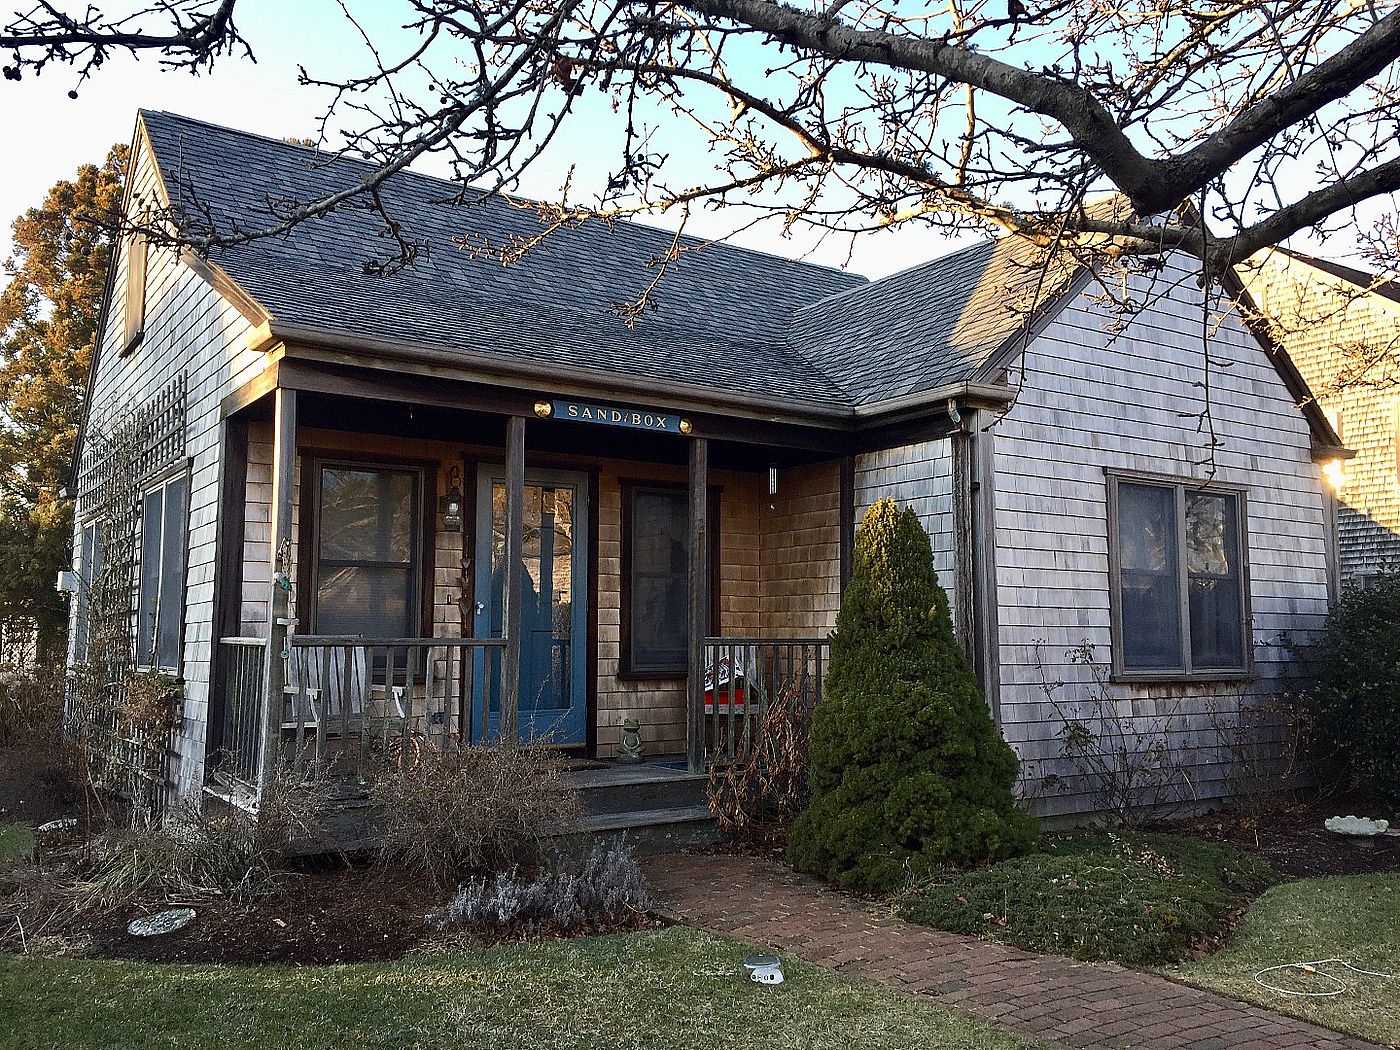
x,y
772,481
451,503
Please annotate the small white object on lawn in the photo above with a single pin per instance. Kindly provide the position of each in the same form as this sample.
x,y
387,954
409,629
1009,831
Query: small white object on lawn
x,y
61,824
764,968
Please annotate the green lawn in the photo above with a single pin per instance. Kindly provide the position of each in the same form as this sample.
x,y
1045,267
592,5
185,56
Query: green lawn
x,y
673,987
16,841
1356,918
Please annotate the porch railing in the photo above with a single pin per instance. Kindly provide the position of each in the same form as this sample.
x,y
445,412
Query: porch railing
x,y
354,704
744,675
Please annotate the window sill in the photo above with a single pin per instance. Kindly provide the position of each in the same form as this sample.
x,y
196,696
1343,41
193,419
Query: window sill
x,y
652,676
133,342
1178,678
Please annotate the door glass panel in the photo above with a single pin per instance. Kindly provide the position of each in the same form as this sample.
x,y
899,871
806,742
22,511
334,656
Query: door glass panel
x,y
546,599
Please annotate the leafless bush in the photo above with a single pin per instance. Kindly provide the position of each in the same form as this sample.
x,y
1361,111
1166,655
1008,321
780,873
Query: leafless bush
x,y
606,890
477,810
1261,743
31,704
1133,771
758,797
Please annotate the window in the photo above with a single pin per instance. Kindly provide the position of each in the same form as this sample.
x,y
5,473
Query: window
x,y
656,577
89,569
1180,596
368,551
135,318
160,602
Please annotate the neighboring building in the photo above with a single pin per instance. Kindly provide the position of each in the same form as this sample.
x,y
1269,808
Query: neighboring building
x,y
337,476
1341,327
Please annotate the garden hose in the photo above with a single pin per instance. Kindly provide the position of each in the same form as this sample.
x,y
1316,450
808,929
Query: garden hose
x,y
1312,968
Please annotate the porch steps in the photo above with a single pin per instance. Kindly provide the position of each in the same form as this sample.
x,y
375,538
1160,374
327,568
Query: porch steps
x,y
658,806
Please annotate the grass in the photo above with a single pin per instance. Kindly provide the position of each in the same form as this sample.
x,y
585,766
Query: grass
x,y
1135,899
16,841
1353,917
673,987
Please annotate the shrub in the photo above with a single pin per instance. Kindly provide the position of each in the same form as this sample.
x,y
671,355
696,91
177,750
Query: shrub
x,y
31,704
1353,706
605,890
478,810
758,797
908,770
1139,900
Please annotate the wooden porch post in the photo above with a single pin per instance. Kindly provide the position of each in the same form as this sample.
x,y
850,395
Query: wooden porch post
x,y
284,458
699,588
515,568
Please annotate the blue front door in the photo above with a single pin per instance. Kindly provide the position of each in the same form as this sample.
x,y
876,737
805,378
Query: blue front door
x,y
553,604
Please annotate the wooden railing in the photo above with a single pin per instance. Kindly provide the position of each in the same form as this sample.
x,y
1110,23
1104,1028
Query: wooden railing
x,y
355,704
744,674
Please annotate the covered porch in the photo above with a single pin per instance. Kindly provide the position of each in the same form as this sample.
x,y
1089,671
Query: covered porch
x,y
408,566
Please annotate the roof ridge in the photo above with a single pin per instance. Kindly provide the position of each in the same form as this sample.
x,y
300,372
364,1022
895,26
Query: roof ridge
x,y
455,188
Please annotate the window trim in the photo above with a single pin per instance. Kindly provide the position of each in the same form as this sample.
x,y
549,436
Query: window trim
x,y
628,487
1181,487
160,481
309,552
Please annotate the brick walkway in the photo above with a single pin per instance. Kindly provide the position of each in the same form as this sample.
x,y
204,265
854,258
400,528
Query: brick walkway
x,y
1068,1003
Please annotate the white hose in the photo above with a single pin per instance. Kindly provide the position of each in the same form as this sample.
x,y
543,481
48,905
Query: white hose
x,y
1312,968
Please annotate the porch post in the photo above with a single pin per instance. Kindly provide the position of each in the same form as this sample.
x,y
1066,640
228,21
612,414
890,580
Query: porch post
x,y
284,458
699,587
515,568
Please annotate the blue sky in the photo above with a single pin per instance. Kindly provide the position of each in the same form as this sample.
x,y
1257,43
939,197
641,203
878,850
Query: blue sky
x,y
49,135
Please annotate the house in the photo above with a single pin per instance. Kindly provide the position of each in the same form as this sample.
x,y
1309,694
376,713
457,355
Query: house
x,y
307,490
1341,328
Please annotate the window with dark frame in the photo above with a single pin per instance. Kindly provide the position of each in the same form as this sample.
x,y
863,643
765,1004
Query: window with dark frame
x,y
160,600
368,558
1180,598
656,577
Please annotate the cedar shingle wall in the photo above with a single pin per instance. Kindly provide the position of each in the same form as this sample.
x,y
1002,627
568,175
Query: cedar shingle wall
x,y
1091,400
189,327
801,552
1326,323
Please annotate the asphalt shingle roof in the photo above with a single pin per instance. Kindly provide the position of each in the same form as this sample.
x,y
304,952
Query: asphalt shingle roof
x,y
728,318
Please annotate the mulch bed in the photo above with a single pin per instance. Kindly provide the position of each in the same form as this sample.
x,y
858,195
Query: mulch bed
x,y
1294,841
356,914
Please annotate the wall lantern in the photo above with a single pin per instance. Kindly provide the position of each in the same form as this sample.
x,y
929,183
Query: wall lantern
x,y
450,504
772,481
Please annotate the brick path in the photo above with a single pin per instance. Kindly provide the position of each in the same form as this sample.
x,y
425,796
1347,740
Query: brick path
x,y
1069,1003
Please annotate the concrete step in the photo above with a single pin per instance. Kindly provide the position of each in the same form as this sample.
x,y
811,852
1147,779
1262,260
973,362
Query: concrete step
x,y
624,789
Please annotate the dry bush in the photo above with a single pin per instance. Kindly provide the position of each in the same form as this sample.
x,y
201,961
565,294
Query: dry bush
x,y
31,704
473,811
758,797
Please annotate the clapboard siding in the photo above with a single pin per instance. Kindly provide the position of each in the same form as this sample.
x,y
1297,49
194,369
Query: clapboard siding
x,y
1093,399
918,476
1325,322
189,329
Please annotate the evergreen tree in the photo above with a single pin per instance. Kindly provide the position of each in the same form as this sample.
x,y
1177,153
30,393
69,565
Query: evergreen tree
x,y
48,327
908,769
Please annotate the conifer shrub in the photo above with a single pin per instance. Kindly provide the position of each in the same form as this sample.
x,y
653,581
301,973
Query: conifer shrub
x,y
1354,710
909,773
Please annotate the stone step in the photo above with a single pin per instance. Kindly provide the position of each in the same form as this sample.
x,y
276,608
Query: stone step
x,y
655,830
624,789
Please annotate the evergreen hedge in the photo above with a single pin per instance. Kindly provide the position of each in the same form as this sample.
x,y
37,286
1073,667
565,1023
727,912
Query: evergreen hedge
x,y
1355,705
909,773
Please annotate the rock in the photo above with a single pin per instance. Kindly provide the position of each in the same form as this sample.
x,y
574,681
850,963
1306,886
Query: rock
x,y
167,921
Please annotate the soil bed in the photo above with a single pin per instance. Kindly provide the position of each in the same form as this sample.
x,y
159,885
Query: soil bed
x,y
34,785
1293,840
348,915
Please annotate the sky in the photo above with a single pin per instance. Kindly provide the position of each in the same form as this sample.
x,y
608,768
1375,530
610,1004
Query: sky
x,y
49,135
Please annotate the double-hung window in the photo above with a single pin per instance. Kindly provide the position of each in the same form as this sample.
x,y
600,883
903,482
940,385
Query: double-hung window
x,y
368,551
161,595
1180,589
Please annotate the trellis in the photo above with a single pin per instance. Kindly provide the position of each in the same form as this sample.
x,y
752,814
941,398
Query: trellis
x,y
125,754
